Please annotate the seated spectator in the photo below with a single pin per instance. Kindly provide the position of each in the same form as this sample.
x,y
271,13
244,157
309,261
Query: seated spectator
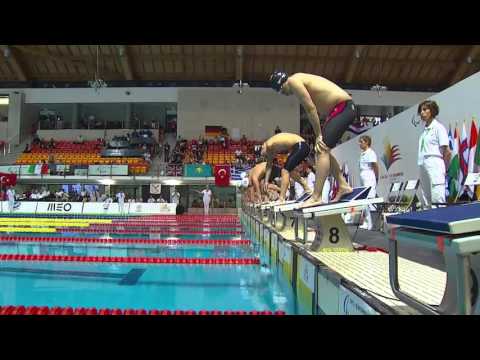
x,y
51,144
147,157
278,130
79,140
59,195
161,200
44,168
36,139
34,195
27,149
243,141
43,144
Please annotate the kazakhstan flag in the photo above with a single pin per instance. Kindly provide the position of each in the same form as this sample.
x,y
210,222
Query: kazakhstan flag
x,y
198,170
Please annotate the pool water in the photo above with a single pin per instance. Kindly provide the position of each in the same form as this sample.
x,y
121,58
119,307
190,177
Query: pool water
x,y
144,286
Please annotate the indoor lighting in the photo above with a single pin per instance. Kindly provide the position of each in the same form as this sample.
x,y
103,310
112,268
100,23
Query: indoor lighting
x,y
107,182
4,100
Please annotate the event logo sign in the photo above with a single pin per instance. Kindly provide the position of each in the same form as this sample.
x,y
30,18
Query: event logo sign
x,y
66,207
391,153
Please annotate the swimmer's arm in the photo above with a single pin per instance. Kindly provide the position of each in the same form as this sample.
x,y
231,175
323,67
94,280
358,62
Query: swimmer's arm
x,y
268,171
306,100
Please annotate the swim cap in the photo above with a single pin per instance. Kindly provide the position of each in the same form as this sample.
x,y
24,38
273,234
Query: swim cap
x,y
277,79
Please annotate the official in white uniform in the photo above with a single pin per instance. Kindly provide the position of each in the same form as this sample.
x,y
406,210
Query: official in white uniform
x,y
433,155
121,201
298,190
11,198
175,197
207,197
368,174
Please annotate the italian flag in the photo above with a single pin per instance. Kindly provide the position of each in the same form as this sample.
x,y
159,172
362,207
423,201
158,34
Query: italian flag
x,y
454,169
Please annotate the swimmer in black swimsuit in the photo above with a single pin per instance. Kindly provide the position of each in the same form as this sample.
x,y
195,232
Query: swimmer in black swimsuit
x,y
298,150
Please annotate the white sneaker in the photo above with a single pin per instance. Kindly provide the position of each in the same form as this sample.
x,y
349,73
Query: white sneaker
x,y
364,227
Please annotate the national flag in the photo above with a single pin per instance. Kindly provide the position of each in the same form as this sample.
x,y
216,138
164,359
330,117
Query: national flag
x,y
198,170
477,164
8,179
222,175
471,155
463,157
450,145
212,131
454,168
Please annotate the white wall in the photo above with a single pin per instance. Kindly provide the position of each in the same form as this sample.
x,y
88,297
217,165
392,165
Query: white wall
x,y
457,104
104,112
88,95
388,98
256,112
86,134
3,130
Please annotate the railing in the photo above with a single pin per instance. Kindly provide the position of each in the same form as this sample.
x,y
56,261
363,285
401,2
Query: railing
x,y
105,171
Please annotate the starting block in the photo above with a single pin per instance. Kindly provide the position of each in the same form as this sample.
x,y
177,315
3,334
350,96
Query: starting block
x,y
280,214
455,233
331,232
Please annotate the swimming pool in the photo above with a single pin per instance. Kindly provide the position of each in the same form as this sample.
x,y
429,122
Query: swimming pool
x,y
124,286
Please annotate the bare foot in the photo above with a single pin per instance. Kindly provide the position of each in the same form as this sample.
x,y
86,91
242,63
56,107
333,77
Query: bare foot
x,y
341,192
310,202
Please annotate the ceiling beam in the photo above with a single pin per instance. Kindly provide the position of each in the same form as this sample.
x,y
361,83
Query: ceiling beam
x,y
125,61
352,66
14,59
466,62
239,63
353,62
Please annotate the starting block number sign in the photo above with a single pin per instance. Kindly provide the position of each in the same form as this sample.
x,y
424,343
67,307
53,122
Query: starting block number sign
x,y
333,235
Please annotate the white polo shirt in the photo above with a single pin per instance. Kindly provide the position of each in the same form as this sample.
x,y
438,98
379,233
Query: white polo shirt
x,y
432,138
367,157
207,194
311,180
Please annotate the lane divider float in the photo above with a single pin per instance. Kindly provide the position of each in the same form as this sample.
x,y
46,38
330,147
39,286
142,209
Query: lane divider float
x,y
62,311
130,260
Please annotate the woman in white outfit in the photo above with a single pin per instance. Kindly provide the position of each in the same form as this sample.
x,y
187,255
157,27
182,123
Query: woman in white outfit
x,y
11,198
368,174
433,155
207,197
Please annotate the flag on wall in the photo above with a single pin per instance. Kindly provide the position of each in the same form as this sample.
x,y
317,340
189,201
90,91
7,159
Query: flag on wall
x,y
454,169
471,155
8,179
212,131
222,175
198,170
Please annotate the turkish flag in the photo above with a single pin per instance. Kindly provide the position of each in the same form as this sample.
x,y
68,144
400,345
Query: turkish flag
x,y
222,175
8,179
